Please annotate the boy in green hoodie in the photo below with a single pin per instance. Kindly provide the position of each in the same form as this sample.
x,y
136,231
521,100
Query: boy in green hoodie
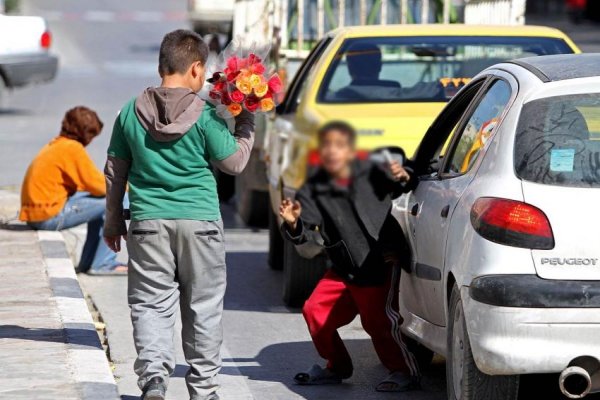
x,y
162,145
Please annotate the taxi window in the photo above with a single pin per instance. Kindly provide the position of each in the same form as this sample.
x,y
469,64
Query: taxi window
x,y
420,69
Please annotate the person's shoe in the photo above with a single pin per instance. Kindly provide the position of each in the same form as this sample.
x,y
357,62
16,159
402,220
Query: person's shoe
x,y
155,389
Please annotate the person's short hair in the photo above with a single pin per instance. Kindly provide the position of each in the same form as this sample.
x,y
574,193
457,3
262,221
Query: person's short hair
x,y
81,124
340,126
364,59
180,49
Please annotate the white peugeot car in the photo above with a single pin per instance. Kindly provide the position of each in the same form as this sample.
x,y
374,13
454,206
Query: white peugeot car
x,y
503,226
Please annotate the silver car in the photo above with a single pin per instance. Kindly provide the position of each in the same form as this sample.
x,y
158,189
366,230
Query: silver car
x,y
503,226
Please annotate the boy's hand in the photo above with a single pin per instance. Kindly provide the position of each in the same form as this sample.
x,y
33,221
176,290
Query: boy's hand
x,y
114,242
290,212
399,173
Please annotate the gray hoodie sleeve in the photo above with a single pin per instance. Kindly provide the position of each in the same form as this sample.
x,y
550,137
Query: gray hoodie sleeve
x,y
244,135
116,172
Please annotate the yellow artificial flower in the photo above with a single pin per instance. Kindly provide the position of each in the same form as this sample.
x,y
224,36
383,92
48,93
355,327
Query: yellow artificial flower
x,y
235,109
261,89
267,104
255,80
244,85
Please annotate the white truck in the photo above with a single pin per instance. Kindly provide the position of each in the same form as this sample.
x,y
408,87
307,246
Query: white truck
x,y
24,52
211,16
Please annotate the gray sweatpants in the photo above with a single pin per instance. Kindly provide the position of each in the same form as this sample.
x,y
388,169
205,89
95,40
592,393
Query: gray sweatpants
x,y
177,263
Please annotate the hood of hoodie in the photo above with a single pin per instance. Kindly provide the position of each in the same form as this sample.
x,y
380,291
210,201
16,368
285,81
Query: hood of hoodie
x,y
168,113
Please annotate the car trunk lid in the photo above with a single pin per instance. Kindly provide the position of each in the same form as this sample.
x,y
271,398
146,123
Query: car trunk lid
x,y
574,216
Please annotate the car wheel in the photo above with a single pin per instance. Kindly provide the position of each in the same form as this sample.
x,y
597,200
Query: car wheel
x,y
422,354
300,275
465,381
275,244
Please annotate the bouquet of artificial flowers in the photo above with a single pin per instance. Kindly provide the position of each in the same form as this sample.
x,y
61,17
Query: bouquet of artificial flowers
x,y
242,83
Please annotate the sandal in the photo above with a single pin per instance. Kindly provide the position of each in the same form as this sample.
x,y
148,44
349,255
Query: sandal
x,y
318,376
114,270
398,382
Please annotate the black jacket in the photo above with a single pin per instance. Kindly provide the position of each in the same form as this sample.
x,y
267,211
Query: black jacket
x,y
352,225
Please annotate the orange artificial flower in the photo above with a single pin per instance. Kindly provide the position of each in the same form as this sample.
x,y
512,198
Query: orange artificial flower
x,y
267,104
244,85
261,89
235,109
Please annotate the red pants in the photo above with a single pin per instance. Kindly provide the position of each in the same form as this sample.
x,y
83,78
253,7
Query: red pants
x,y
335,303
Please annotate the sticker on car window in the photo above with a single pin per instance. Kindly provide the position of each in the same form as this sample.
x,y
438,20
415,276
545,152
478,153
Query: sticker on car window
x,y
562,160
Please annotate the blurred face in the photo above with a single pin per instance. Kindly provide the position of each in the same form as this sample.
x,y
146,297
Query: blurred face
x,y
336,151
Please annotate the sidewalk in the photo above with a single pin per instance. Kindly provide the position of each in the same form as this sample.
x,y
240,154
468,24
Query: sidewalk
x,y
48,342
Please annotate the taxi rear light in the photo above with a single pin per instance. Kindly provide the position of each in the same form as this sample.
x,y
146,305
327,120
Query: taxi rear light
x,y
512,223
314,158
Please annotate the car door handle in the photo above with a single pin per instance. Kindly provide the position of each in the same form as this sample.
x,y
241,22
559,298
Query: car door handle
x,y
445,212
414,211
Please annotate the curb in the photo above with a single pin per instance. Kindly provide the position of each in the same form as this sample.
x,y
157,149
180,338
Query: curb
x,y
89,364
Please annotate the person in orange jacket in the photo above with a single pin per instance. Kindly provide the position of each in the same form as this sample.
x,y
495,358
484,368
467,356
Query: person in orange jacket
x,y
63,188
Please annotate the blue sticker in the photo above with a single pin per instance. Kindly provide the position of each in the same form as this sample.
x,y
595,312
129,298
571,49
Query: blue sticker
x,y
562,160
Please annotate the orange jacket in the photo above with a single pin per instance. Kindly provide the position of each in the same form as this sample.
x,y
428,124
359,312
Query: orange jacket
x,y
60,169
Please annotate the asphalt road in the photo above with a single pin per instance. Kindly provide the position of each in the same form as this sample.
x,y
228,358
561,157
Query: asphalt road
x,y
108,54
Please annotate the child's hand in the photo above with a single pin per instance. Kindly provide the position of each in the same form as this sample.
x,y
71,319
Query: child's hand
x,y
114,242
398,172
290,212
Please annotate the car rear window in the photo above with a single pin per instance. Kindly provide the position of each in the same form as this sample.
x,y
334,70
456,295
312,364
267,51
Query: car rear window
x,y
422,69
558,141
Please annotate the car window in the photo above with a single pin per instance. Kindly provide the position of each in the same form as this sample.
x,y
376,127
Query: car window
x,y
437,140
479,129
420,69
558,141
302,77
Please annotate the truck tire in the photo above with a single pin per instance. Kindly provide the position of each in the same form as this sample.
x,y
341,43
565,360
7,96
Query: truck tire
x,y
253,205
300,275
465,381
225,185
422,354
275,244
3,93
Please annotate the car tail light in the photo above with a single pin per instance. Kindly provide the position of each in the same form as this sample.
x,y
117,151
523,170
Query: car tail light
x,y
314,158
46,40
512,223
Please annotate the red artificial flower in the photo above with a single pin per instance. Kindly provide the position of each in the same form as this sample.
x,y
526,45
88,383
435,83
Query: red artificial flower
x,y
232,76
252,103
219,86
237,96
232,64
225,99
214,94
253,59
275,84
258,68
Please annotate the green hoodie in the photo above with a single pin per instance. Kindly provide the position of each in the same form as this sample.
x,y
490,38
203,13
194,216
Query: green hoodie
x,y
168,142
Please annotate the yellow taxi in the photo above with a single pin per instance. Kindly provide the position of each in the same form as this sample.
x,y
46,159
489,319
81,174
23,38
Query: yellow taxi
x,y
389,82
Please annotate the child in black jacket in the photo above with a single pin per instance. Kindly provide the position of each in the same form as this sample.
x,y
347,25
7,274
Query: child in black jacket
x,y
344,210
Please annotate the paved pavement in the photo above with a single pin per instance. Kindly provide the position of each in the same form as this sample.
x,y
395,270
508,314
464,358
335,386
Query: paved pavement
x,y
48,341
